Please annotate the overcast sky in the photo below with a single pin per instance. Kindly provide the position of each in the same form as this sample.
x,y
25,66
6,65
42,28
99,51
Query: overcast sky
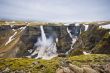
x,y
55,10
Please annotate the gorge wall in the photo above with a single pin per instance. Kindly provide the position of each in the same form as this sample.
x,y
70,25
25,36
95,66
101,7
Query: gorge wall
x,y
49,41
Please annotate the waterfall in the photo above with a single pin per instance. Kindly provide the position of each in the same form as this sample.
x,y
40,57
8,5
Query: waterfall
x,y
73,36
46,47
86,27
43,36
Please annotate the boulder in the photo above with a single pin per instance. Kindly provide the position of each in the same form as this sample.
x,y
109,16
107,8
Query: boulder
x,y
107,68
59,70
75,68
89,70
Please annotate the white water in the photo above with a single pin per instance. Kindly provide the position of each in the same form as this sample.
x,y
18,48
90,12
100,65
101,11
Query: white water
x,y
11,38
69,32
86,27
46,48
85,53
56,40
74,39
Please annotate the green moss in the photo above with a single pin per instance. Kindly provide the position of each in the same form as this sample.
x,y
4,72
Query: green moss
x,y
42,66
103,45
49,66
76,52
89,59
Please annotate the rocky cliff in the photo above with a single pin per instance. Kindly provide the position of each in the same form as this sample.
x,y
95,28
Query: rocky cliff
x,y
70,39
95,40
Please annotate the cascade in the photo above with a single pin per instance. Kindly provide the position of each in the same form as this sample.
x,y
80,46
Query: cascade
x,y
73,36
46,47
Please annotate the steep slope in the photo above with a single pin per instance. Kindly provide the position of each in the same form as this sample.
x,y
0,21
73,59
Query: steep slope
x,y
9,48
94,40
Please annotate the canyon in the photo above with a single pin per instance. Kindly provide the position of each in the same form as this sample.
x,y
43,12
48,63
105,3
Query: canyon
x,y
55,41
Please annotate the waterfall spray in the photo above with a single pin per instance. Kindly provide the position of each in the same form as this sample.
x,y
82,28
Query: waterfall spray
x,y
46,47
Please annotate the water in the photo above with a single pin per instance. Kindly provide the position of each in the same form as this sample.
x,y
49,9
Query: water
x,y
86,27
74,39
46,47
73,36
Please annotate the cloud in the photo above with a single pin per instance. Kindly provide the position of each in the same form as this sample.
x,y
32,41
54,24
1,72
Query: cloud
x,y
55,10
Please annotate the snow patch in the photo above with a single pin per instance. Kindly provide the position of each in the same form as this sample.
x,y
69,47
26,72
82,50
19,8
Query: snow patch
x,y
23,28
77,24
11,38
11,26
105,26
66,24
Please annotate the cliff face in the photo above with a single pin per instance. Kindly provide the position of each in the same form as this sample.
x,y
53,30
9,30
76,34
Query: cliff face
x,y
73,39
94,40
20,43
22,40
10,40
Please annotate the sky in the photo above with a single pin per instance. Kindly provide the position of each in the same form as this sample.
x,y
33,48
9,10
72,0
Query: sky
x,y
55,10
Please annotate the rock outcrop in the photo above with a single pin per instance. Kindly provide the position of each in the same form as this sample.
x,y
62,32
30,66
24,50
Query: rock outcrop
x,y
85,69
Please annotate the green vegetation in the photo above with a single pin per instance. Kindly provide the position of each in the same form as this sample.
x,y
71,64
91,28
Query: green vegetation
x,y
27,65
90,59
104,45
96,41
49,66
76,52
